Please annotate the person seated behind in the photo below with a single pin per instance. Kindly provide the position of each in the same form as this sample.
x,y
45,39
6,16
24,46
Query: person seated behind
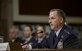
x,y
40,36
29,40
13,34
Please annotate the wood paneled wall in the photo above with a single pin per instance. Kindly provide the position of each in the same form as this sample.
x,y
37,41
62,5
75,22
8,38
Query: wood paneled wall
x,y
5,17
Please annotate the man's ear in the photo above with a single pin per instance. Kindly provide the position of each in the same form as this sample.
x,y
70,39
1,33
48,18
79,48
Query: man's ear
x,y
61,19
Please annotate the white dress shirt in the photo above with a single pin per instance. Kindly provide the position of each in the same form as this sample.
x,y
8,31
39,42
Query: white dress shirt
x,y
57,32
28,39
28,46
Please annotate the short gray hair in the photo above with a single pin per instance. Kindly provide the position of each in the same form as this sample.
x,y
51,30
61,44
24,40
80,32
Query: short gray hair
x,y
60,13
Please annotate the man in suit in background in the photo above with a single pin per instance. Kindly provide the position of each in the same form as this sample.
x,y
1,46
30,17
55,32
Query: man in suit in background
x,y
29,40
14,40
40,36
61,35
13,34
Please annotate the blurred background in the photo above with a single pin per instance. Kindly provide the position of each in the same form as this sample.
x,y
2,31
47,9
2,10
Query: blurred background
x,y
34,12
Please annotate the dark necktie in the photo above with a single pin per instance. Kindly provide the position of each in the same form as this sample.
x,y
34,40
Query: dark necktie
x,y
54,38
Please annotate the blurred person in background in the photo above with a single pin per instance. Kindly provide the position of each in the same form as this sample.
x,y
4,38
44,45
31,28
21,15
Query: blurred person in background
x,y
61,35
29,40
40,36
13,34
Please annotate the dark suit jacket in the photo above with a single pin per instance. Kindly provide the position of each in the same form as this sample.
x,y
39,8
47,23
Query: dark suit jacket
x,y
33,42
42,44
16,44
20,40
17,40
70,38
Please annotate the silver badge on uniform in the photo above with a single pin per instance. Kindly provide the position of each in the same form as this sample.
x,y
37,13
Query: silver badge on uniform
x,y
60,43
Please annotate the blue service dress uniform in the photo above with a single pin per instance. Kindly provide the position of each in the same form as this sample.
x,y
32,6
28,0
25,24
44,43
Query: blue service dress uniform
x,y
69,38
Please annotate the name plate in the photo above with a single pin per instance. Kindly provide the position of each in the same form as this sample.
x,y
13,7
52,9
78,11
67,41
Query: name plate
x,y
4,46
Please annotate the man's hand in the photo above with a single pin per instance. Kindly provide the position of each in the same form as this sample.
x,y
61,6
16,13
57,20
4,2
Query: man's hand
x,y
27,46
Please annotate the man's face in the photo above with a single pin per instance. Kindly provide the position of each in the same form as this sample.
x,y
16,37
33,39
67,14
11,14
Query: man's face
x,y
54,20
27,31
40,31
13,32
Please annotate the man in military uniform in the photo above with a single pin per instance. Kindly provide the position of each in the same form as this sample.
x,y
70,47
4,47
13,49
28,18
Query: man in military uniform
x,y
61,35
